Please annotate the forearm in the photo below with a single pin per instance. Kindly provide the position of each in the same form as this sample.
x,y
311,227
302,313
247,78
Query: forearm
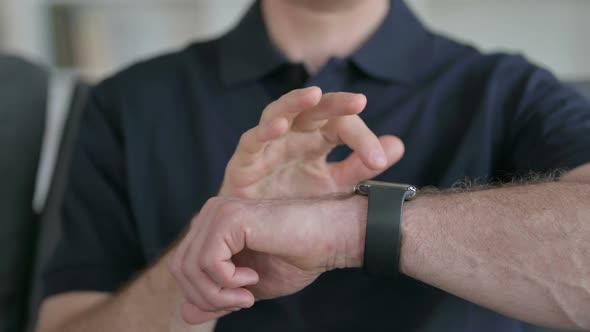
x,y
522,251
151,302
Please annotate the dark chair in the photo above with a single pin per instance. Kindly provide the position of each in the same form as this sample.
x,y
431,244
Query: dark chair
x,y
23,98
49,226
27,238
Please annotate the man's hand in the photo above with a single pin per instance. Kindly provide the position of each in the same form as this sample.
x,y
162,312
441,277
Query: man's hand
x,y
285,155
235,252
240,250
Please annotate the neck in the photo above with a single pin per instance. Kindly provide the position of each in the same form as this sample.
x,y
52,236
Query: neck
x,y
313,31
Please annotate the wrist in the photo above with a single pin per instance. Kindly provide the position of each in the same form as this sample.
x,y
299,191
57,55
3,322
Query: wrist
x,y
159,278
352,214
352,221
414,215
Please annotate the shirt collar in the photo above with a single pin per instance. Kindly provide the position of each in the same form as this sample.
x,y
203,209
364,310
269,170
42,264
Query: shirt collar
x,y
395,52
397,49
247,52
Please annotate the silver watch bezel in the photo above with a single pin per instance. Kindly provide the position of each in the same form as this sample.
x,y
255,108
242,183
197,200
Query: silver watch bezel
x,y
364,188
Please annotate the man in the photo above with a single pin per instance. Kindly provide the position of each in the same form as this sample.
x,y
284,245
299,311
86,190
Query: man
x,y
157,138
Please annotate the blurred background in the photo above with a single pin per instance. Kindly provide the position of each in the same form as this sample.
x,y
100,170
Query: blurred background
x,y
40,105
98,37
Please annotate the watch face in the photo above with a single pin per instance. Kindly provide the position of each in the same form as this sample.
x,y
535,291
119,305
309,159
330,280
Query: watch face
x,y
363,188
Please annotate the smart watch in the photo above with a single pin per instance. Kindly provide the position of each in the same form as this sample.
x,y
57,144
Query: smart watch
x,y
383,236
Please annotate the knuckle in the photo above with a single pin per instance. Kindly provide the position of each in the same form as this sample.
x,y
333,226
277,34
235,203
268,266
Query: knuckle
x,y
204,262
204,305
285,97
212,298
208,268
190,318
224,278
231,170
245,137
244,228
175,264
209,205
209,308
235,177
187,270
217,302
189,313
192,298
344,122
268,110
226,281
175,268
212,202
331,138
229,211
194,220
215,207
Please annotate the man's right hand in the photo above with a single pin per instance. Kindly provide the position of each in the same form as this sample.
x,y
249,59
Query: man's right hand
x,y
285,155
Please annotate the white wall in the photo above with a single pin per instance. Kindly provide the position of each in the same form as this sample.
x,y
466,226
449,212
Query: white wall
x,y
112,36
554,33
22,29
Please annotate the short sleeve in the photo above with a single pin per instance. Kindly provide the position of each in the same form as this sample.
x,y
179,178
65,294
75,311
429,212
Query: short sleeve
x,y
99,248
551,126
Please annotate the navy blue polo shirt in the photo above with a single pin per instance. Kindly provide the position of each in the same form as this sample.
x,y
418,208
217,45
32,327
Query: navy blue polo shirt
x,y
156,137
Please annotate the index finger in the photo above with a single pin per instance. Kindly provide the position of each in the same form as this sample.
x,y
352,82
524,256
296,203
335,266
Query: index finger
x,y
335,104
276,119
291,104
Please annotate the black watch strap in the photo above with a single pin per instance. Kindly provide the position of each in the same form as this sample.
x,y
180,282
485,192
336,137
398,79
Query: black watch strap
x,y
383,234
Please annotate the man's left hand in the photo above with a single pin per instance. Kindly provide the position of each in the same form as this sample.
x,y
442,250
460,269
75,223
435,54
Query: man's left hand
x,y
275,247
